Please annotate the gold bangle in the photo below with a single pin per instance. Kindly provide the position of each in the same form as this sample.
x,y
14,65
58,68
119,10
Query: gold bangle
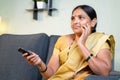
x,y
88,58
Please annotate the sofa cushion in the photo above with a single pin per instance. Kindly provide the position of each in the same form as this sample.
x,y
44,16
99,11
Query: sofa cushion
x,y
12,65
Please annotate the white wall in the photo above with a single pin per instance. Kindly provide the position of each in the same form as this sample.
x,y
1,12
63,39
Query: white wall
x,y
19,21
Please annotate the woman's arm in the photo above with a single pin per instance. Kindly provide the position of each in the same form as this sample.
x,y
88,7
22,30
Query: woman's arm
x,y
53,65
100,64
46,71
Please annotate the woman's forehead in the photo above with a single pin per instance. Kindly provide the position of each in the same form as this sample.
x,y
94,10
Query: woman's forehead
x,y
79,11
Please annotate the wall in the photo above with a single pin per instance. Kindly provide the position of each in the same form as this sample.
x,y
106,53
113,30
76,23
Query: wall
x,y
19,21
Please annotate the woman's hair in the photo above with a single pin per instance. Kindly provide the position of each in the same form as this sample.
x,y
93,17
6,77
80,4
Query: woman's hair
x,y
90,12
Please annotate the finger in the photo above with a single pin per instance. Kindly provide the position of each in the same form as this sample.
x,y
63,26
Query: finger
x,y
36,61
86,28
35,58
89,28
25,55
83,29
32,55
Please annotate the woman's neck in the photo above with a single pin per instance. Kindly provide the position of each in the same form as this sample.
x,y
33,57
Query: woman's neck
x,y
76,37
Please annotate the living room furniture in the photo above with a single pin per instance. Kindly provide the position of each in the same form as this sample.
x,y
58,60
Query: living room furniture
x,y
14,67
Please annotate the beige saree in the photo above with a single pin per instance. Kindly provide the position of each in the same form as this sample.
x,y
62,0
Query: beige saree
x,y
72,61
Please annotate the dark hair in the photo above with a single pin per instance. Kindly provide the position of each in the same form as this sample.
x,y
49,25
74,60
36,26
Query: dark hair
x,y
90,12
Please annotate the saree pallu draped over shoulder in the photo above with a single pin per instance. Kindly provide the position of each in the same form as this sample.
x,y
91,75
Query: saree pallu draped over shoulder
x,y
73,62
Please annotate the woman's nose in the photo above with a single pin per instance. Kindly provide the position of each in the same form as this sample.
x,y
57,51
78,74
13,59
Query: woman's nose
x,y
76,20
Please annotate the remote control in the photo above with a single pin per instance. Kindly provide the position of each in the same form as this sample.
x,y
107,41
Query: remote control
x,y
21,50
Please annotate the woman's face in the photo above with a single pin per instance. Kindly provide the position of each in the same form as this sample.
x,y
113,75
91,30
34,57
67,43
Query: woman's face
x,y
78,19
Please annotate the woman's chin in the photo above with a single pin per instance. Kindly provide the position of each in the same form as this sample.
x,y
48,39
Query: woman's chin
x,y
77,31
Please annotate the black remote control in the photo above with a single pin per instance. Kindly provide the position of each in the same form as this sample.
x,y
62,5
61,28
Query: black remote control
x,y
24,51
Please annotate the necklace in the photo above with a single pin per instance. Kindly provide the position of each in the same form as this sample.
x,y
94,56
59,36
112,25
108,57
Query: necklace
x,y
72,43
70,47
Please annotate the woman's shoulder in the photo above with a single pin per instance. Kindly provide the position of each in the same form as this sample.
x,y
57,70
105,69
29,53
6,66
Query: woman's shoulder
x,y
65,39
99,34
66,36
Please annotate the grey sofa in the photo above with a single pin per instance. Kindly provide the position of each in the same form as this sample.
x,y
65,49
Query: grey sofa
x,y
14,67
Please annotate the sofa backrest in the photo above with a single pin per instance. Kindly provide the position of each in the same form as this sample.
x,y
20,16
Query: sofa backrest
x,y
12,65
53,39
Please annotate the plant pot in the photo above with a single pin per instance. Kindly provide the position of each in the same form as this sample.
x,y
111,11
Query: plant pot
x,y
41,5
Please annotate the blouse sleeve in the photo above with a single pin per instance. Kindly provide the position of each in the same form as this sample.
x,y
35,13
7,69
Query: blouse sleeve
x,y
59,45
106,41
107,46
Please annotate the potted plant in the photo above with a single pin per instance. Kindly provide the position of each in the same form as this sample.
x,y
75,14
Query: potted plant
x,y
41,4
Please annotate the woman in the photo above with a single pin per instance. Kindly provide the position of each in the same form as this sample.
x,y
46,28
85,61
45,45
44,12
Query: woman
x,y
80,54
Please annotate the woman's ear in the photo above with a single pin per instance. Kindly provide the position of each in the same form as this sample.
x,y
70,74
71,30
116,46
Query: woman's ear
x,y
93,22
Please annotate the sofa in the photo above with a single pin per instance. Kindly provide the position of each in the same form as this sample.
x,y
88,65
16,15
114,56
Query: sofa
x,y
14,67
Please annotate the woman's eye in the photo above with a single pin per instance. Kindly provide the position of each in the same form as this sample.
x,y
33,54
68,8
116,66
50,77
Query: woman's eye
x,y
72,18
81,17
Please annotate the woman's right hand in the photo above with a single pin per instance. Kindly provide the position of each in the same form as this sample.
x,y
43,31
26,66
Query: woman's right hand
x,y
32,59
86,31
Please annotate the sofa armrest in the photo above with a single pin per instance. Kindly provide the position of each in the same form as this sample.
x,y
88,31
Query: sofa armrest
x,y
96,77
115,73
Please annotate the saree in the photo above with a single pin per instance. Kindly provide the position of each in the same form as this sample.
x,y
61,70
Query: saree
x,y
71,59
